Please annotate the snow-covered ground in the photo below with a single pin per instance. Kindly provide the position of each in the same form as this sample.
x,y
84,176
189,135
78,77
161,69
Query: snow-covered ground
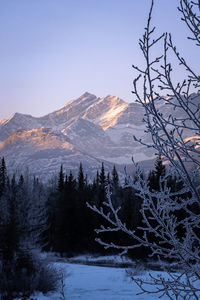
x,y
85,282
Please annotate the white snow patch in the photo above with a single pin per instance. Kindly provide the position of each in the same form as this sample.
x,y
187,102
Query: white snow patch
x,y
99,283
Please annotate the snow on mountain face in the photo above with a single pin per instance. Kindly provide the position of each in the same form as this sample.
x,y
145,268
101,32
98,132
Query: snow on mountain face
x,y
72,110
57,119
106,111
87,130
42,138
15,122
43,151
88,137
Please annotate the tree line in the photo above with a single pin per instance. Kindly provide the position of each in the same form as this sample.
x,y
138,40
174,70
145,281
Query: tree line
x,y
57,215
56,218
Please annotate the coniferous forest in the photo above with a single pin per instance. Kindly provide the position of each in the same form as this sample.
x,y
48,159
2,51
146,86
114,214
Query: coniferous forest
x,y
55,218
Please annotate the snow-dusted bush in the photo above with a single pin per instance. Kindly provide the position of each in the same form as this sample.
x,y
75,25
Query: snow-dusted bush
x,y
22,223
26,274
171,217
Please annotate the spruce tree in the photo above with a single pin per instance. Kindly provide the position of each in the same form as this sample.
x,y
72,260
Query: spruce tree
x,y
70,210
115,177
2,176
21,180
102,177
102,186
108,180
81,181
61,180
71,183
59,229
97,179
13,182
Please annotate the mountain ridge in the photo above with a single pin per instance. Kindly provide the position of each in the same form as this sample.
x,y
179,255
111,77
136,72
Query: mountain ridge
x,y
88,129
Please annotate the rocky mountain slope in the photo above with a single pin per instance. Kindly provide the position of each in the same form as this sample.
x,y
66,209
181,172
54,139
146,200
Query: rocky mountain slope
x,y
88,130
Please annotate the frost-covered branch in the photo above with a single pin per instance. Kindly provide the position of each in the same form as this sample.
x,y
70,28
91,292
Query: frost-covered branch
x,y
171,223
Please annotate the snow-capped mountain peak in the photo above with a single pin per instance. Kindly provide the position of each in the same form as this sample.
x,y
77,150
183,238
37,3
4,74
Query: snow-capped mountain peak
x,y
89,129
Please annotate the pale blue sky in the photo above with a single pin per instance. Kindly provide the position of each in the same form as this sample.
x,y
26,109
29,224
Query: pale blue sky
x,y
52,51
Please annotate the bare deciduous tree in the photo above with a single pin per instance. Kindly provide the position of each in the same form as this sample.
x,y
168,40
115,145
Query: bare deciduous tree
x,y
169,131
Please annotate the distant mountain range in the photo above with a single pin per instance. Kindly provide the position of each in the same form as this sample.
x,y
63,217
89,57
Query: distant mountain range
x,y
89,129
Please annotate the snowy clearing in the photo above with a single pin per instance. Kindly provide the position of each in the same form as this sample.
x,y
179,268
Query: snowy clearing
x,y
98,283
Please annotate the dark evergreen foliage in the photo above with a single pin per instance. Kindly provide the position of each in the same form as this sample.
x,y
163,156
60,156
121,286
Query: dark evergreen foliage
x,y
3,176
81,179
22,220
59,218
115,177
155,176
61,180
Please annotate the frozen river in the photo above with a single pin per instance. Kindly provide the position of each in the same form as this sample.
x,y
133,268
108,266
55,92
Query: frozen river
x,y
98,283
